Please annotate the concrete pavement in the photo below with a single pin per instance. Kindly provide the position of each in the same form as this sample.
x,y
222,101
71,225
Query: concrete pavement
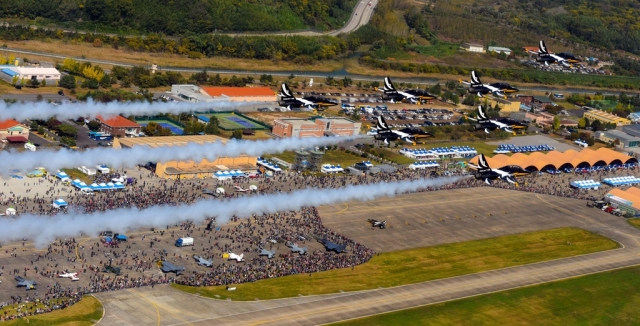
x,y
165,306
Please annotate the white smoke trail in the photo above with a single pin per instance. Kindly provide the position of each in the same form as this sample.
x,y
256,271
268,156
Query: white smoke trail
x,y
90,108
42,230
53,160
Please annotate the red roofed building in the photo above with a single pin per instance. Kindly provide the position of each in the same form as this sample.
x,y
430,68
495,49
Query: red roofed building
x,y
242,94
13,128
118,126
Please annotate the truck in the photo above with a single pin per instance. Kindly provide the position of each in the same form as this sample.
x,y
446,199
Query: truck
x,y
120,237
184,242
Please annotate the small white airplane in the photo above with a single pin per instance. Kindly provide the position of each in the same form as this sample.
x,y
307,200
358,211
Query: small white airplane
x,y
251,188
238,258
72,276
121,179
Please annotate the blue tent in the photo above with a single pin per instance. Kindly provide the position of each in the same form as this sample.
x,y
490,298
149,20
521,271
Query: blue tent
x,y
58,203
62,176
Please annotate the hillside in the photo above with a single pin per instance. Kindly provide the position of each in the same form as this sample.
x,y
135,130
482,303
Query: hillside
x,y
172,17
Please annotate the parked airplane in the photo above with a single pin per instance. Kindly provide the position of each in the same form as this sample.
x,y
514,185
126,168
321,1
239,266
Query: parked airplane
x,y
374,223
413,96
251,188
238,258
338,248
168,267
563,58
72,276
483,122
294,248
269,254
484,172
111,269
203,262
29,284
497,89
411,135
287,99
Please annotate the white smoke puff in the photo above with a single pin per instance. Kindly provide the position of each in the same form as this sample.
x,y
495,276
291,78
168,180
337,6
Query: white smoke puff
x,y
44,229
63,158
90,108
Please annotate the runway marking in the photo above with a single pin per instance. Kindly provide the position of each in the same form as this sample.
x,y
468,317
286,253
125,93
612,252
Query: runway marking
x,y
151,302
345,208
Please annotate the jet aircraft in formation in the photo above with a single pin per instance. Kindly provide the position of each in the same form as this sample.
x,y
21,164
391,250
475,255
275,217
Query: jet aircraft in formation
x,y
497,89
411,135
320,103
543,55
484,172
488,125
413,96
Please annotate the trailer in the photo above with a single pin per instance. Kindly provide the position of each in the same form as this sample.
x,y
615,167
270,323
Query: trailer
x,y
184,242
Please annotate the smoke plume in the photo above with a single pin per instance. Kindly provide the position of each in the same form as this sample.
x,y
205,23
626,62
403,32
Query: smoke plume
x,y
90,108
53,160
44,229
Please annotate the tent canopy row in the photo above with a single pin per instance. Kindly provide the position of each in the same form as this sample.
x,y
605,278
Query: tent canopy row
x,y
559,160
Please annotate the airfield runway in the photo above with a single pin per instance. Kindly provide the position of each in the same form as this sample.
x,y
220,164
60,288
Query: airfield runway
x,y
497,212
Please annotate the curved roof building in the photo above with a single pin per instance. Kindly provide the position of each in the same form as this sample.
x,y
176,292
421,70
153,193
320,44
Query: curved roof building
x,y
558,160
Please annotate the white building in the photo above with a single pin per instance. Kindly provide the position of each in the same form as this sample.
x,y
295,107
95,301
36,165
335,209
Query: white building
x,y
473,47
51,75
498,49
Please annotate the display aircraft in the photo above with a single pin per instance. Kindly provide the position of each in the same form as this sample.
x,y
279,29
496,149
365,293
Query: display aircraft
x,y
111,269
269,254
497,89
294,248
238,258
203,262
411,135
333,246
484,172
168,267
564,58
213,193
29,284
251,188
413,96
483,122
374,223
287,99
72,276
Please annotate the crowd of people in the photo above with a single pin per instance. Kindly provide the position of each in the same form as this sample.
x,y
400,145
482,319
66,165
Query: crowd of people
x,y
248,235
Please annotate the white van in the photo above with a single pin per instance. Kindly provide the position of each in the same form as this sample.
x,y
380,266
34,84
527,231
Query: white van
x,y
86,191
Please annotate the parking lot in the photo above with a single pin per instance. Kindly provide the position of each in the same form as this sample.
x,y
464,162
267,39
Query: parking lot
x,y
537,140
406,117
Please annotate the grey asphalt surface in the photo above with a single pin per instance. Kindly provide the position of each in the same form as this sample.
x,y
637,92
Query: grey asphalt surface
x,y
497,212
47,94
537,140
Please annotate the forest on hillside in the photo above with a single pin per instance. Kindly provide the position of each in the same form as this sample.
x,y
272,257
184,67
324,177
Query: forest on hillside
x,y
171,17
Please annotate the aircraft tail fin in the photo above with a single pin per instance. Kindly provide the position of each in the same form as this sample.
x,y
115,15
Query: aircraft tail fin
x,y
475,80
482,162
542,47
482,116
388,86
382,124
285,92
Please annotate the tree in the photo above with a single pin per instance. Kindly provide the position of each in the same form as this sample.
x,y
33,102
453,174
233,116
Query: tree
x,y
436,89
39,98
67,130
34,83
213,126
44,82
556,123
34,125
23,81
236,134
105,81
91,83
582,123
596,125
93,72
587,124
94,125
68,141
68,82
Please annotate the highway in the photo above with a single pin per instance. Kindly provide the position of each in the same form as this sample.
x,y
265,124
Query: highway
x,y
167,306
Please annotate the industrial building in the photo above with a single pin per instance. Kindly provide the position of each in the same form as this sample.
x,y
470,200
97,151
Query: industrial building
x,y
51,75
625,139
242,94
13,131
315,127
555,160
499,49
189,169
627,201
119,126
473,47
606,117
193,93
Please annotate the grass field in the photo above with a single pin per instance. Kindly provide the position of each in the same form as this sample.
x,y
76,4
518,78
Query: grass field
x,y
423,264
229,124
439,50
634,221
76,174
333,157
86,312
609,298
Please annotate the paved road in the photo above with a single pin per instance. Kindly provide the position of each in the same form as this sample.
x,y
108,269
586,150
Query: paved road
x,y
51,94
166,306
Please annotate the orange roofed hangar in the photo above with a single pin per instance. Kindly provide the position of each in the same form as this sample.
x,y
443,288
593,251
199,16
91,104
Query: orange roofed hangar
x,y
242,94
555,160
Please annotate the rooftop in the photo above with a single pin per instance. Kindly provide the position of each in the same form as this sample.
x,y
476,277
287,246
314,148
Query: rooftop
x,y
6,124
632,195
603,115
498,48
207,169
620,135
192,92
170,140
238,91
542,99
35,70
118,122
